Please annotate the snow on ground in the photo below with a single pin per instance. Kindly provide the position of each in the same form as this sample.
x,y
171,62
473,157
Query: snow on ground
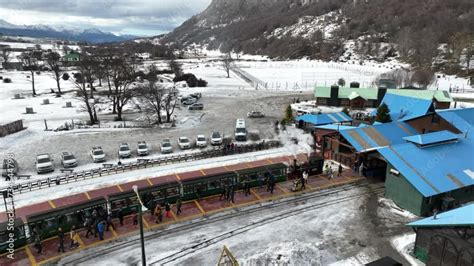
x,y
387,205
404,244
321,236
41,195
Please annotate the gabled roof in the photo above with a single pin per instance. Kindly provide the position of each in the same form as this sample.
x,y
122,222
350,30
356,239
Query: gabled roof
x,y
334,127
462,119
324,119
377,136
432,138
404,108
371,93
462,216
346,93
438,95
435,169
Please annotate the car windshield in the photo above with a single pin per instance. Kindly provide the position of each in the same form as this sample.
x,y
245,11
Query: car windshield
x,y
124,148
98,152
184,140
142,146
201,139
240,130
43,160
68,157
216,135
166,144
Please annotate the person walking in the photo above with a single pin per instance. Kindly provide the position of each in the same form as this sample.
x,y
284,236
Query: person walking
x,y
339,170
303,182
135,218
168,210
305,177
232,193
100,229
73,237
120,216
244,186
110,223
158,214
89,225
60,240
271,182
38,244
260,181
361,169
223,193
179,203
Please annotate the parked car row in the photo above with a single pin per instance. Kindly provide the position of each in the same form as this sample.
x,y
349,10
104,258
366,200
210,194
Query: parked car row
x,y
191,101
44,162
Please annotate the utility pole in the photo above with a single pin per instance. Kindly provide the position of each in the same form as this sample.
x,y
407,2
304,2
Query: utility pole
x,y
141,208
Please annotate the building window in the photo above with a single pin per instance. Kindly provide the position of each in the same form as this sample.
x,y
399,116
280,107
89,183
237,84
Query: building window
x,y
322,100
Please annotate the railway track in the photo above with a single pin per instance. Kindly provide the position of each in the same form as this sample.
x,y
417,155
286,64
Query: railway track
x,y
372,188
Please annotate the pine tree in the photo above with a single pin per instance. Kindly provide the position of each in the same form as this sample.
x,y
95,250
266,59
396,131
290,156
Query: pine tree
x,y
383,114
288,114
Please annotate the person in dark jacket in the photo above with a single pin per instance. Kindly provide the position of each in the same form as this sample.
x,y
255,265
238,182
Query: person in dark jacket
x,y
101,229
135,218
223,193
120,216
179,203
89,224
38,244
158,214
60,240
339,170
232,193
110,223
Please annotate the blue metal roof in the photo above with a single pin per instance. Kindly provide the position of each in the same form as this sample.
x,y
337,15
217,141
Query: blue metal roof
x,y
404,108
462,216
435,169
462,119
324,119
377,136
334,127
432,137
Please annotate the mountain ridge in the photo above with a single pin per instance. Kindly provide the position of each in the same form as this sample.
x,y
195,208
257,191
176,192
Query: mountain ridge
x,y
91,35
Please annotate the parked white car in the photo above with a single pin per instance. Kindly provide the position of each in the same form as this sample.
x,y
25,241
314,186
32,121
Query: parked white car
x,y
124,151
44,164
216,138
184,143
68,160
97,155
201,141
166,146
142,148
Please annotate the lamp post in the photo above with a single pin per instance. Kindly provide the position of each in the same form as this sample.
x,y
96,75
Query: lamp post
x,y
140,209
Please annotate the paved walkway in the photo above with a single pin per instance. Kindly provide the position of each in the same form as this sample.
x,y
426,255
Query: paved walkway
x,y
190,210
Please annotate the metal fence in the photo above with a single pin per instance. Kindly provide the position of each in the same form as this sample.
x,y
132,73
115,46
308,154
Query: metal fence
x,y
109,169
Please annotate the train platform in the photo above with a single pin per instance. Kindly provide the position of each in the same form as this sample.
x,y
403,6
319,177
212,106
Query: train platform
x,y
190,210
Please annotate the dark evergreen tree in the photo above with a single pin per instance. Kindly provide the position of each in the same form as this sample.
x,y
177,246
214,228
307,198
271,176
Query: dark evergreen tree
x,y
383,114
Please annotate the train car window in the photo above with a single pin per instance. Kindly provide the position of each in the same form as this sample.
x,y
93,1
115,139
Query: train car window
x,y
69,218
49,223
171,192
3,237
188,189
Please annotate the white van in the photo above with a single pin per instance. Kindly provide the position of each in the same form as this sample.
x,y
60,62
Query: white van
x,y
240,130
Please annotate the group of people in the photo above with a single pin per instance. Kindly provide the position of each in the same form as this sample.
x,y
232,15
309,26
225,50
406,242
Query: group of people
x,y
227,193
156,210
329,172
98,223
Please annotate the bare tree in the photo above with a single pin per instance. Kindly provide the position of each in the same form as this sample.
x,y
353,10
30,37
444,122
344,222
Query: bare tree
x,y
169,102
53,60
29,61
176,67
423,77
6,55
82,94
123,76
151,96
227,63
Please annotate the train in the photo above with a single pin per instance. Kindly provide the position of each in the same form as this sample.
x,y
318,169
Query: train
x,y
72,210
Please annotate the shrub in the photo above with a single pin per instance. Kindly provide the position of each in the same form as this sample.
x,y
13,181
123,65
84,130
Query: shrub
x,y
7,80
202,83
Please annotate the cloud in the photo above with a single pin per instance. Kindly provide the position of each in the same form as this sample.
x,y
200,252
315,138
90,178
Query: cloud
x,y
120,16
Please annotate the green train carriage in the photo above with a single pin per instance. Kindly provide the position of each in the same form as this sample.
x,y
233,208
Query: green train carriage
x,y
19,231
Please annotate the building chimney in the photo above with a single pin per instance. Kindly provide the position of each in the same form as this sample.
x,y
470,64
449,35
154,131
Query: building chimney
x,y
380,94
334,101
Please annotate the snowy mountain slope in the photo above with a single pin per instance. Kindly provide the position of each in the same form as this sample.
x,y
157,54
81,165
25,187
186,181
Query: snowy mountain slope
x,y
46,31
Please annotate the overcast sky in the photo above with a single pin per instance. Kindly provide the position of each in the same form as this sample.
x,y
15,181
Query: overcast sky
x,y
137,17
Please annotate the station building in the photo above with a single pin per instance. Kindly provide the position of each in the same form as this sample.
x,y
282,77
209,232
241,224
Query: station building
x,y
446,239
424,156
360,98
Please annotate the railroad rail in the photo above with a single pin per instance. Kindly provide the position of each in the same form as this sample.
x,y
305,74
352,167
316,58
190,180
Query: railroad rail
x,y
139,164
116,246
